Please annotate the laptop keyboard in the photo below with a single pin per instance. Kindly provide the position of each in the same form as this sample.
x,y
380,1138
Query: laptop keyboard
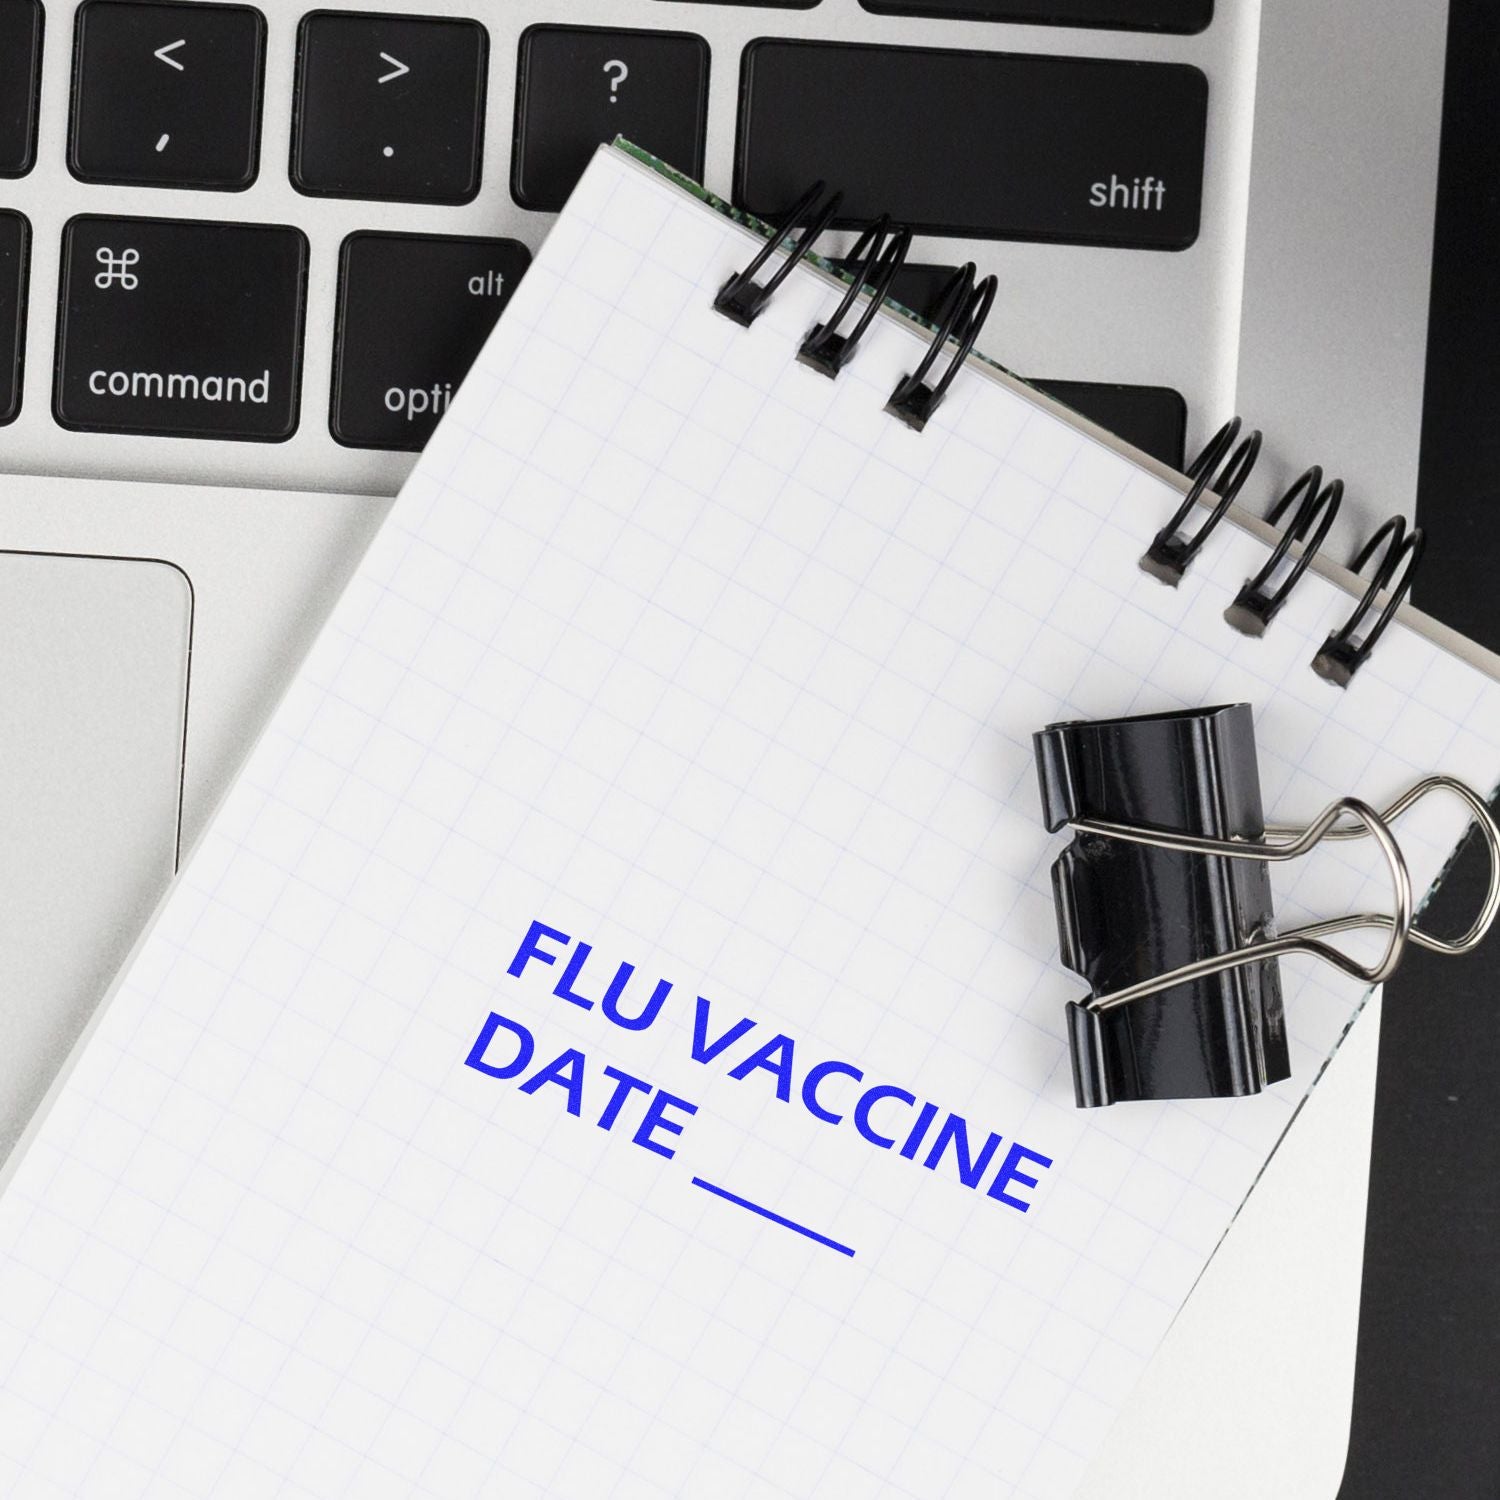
x,y
205,327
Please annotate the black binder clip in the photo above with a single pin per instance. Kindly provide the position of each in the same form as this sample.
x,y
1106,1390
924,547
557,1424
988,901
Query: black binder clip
x,y
1164,901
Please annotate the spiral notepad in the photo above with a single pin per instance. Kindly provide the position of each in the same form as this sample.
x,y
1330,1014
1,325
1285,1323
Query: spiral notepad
x,y
611,1040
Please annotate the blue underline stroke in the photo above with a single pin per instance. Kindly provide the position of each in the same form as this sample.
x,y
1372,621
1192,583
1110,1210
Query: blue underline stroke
x,y
775,1218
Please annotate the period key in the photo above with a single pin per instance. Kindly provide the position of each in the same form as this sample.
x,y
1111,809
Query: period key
x,y
389,107
413,312
180,328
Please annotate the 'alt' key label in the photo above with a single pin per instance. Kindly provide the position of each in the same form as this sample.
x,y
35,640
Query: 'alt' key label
x,y
414,310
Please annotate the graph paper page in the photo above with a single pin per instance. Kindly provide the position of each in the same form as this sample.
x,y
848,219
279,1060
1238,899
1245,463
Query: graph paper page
x,y
543,1080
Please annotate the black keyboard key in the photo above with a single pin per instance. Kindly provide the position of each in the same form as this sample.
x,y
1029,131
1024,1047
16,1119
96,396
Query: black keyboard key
x,y
20,77
15,238
1152,418
180,328
917,286
414,310
1123,15
990,144
581,85
167,95
389,107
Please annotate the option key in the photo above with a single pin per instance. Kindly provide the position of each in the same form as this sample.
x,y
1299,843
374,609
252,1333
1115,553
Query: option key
x,y
413,312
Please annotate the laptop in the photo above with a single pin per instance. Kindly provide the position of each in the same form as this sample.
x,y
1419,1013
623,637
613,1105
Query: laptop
x,y
247,252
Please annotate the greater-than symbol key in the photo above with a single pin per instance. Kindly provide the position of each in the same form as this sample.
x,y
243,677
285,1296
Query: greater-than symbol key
x,y
354,136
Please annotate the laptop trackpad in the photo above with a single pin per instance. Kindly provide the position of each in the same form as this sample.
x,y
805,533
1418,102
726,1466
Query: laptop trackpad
x,y
93,705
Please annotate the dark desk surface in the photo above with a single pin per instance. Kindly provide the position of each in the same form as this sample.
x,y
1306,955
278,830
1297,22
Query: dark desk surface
x,y
1427,1385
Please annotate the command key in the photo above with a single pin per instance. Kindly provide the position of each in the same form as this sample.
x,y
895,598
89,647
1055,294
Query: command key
x,y
180,328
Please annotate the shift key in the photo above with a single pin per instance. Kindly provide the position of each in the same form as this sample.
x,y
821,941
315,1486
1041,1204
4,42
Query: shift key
x,y
1088,151
180,328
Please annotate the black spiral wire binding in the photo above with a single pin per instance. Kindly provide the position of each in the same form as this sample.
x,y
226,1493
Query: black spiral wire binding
x,y
1170,553
1345,651
962,310
878,255
1221,469
1257,604
1221,473
741,297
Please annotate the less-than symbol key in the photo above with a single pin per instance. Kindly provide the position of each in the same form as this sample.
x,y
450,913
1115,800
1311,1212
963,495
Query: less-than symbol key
x,y
167,94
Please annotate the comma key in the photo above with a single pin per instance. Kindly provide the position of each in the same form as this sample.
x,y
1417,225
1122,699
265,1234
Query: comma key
x,y
180,328
167,95
414,310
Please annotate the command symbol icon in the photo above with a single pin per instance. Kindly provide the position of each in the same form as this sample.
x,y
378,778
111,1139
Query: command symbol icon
x,y
117,268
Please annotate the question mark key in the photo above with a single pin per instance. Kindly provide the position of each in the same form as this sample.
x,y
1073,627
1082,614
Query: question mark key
x,y
581,86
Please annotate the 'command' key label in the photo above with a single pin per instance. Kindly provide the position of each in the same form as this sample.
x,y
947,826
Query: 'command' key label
x,y
180,328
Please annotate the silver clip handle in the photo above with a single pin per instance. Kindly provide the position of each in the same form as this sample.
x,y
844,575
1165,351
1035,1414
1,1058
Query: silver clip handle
x,y
1367,823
